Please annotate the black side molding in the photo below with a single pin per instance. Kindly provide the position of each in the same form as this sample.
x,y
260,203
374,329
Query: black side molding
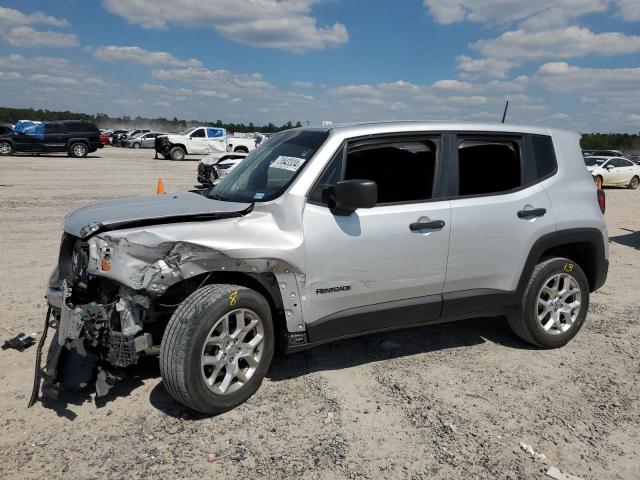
x,y
371,318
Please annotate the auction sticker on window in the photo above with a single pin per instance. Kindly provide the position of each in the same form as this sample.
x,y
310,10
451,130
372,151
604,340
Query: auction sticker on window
x,y
288,163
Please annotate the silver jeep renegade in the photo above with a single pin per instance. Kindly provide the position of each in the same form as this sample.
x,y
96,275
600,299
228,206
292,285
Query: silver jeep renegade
x,y
324,234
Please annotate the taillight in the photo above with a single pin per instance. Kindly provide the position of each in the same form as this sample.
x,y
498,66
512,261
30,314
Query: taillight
x,y
602,200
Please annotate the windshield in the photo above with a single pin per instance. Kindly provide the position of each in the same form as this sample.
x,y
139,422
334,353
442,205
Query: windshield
x,y
593,161
267,171
187,131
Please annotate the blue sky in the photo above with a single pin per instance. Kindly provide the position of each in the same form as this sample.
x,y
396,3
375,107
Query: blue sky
x,y
571,63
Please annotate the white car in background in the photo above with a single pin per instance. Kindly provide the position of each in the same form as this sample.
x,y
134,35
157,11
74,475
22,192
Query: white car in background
x,y
209,175
616,171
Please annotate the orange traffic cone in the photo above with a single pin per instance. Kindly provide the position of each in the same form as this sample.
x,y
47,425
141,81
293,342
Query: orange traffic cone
x,y
160,189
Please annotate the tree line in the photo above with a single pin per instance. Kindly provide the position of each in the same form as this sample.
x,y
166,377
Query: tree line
x,y
160,124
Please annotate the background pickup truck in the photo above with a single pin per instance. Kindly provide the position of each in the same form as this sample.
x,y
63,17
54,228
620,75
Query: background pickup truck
x,y
201,141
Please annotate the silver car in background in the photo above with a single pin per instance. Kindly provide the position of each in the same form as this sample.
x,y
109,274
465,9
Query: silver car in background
x,y
145,140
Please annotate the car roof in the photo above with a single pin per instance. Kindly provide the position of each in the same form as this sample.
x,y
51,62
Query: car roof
x,y
365,128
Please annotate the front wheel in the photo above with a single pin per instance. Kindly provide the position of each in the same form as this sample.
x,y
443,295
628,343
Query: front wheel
x,y
217,348
177,153
78,150
633,184
554,305
6,148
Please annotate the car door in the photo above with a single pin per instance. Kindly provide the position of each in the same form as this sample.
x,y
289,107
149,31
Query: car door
x,y
53,141
382,267
197,142
498,210
627,171
216,140
149,139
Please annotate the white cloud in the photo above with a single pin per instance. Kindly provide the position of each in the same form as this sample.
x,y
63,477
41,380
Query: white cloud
x,y
629,10
560,76
30,37
9,16
16,30
301,84
50,80
486,67
282,24
133,54
558,43
634,119
534,14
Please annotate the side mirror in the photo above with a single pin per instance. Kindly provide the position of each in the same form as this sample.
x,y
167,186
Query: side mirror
x,y
609,167
350,195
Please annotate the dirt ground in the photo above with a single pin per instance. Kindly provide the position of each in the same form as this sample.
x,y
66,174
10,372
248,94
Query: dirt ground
x,y
461,400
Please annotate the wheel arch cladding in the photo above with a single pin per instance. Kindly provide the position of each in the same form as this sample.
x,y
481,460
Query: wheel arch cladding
x,y
266,284
585,246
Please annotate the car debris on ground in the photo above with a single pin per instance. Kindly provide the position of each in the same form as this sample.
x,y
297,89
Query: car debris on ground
x,y
20,342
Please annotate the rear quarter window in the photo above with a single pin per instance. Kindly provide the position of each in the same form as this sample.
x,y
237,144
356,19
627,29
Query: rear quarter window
x,y
544,154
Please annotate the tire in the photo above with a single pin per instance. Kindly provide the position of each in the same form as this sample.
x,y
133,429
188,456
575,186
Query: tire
x,y
200,317
6,149
633,184
525,322
241,149
78,150
177,153
137,146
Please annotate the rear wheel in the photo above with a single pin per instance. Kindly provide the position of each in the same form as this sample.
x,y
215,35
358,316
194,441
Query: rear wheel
x,y
554,305
78,150
217,348
178,153
633,184
6,148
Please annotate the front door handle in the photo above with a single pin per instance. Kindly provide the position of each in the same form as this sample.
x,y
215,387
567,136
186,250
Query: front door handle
x,y
534,212
435,224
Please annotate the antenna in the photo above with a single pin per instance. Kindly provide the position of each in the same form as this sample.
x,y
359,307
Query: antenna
x,y
504,115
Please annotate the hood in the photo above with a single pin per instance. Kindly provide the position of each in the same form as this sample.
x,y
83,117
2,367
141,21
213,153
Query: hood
x,y
591,168
149,210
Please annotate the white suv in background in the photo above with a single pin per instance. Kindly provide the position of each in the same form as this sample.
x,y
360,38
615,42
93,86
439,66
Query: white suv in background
x,y
313,238
614,171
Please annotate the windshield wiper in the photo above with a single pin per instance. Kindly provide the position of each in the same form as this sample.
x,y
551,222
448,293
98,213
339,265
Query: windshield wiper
x,y
215,196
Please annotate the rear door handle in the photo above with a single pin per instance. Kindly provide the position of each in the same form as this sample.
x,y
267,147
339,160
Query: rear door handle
x,y
534,212
435,224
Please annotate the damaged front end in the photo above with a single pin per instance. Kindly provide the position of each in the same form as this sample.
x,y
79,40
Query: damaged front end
x,y
99,323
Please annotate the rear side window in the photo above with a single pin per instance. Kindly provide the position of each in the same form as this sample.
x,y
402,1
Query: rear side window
x,y
81,127
487,166
545,155
53,128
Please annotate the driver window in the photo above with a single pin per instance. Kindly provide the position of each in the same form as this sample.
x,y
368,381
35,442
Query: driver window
x,y
198,133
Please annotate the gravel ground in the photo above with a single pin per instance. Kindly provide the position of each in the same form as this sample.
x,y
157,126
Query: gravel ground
x,y
461,400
